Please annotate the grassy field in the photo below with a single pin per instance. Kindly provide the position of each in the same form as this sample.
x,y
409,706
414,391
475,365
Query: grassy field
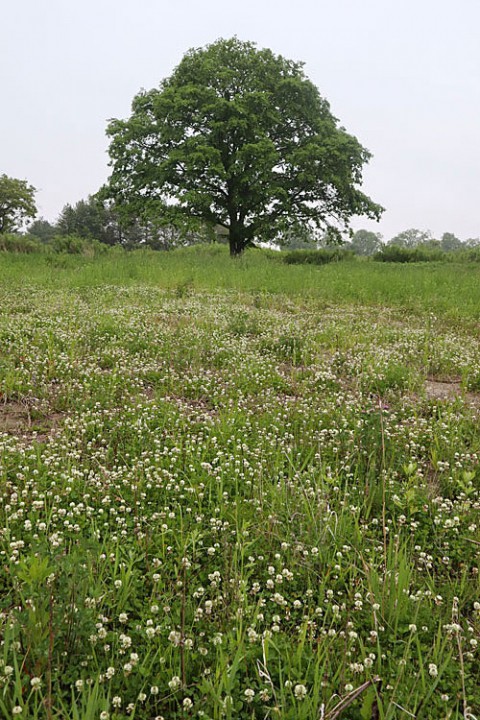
x,y
449,289
237,489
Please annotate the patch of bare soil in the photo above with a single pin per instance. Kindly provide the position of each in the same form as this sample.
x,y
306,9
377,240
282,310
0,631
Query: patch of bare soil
x,y
25,419
443,390
196,408
149,392
450,390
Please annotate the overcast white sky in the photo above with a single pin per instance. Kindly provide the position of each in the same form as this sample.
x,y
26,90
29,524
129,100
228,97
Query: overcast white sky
x,y
403,76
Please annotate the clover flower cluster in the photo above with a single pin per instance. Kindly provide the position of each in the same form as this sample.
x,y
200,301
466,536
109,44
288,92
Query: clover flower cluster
x,y
198,484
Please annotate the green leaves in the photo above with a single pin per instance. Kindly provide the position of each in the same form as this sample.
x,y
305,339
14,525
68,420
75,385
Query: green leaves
x,y
238,137
16,203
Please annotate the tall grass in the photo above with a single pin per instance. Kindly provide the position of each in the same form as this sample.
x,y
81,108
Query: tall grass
x,y
451,290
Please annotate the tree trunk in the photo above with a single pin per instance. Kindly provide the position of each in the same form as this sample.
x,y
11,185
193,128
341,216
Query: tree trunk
x,y
236,236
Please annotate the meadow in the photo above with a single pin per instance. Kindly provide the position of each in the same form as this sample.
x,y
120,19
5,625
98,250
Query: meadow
x,y
238,489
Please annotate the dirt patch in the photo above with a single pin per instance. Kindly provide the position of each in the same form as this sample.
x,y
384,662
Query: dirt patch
x,y
443,390
450,390
149,392
26,419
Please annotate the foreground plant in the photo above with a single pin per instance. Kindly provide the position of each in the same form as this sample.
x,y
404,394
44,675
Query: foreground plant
x,y
235,510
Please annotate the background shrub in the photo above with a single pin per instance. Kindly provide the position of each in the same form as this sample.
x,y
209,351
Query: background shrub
x,y
395,253
316,257
10,242
75,245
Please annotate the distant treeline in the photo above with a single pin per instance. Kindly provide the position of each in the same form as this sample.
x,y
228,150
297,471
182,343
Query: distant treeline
x,y
91,226
93,220
90,247
409,246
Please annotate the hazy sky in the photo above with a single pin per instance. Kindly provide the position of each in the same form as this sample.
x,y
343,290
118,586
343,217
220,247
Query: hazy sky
x,y
403,76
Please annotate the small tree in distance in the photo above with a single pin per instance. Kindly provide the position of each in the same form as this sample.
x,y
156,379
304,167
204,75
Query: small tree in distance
x,y
42,229
17,203
450,242
411,238
239,138
366,242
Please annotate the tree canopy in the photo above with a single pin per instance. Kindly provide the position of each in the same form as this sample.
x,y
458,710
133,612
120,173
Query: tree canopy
x,y
89,219
411,238
238,138
17,203
366,242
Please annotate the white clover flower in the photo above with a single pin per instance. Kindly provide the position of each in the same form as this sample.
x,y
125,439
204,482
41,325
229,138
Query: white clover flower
x,y
300,692
117,701
123,618
79,684
175,637
432,670
357,667
125,641
154,690
35,682
249,695
17,710
174,683
187,704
